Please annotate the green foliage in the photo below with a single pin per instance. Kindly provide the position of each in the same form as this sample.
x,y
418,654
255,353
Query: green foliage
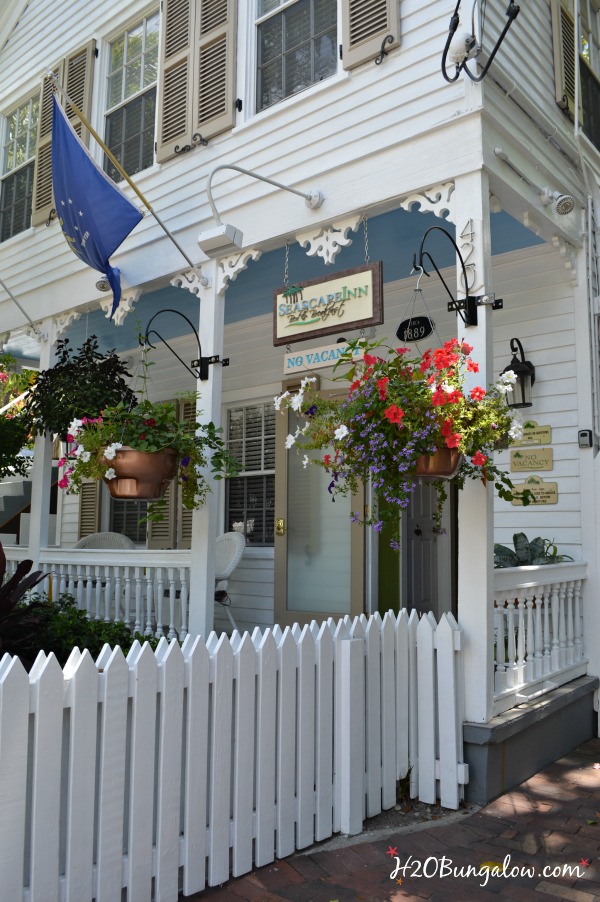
x,y
526,553
15,427
80,384
58,627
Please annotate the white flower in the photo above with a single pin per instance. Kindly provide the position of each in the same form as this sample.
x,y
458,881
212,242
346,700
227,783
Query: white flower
x,y
290,440
84,456
307,380
506,381
341,432
277,400
296,402
111,451
75,428
110,473
305,461
516,430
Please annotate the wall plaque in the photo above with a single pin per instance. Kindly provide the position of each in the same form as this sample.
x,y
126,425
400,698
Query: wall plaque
x,y
534,434
352,299
531,459
543,492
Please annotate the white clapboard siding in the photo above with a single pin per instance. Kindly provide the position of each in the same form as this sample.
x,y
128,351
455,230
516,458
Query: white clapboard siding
x,y
407,92
218,756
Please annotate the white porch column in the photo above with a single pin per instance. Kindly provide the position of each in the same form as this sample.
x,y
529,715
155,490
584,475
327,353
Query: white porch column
x,y
205,521
41,469
476,502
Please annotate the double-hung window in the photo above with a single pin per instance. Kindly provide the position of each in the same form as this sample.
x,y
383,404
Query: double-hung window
x,y
131,97
18,161
250,502
297,44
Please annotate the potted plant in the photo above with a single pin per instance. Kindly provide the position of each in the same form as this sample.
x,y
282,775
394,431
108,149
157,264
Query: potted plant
x,y
400,416
80,384
526,553
137,449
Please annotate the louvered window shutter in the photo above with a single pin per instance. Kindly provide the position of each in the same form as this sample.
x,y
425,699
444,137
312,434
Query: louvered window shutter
x,y
365,23
162,533
89,508
75,73
196,92
187,412
563,31
215,82
175,78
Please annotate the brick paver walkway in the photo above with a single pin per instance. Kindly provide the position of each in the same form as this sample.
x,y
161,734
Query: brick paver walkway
x,y
549,822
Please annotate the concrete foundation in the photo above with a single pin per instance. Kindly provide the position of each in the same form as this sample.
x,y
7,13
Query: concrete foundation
x,y
518,743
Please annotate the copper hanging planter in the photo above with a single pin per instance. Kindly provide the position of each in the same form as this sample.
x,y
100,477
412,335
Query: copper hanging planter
x,y
141,474
443,464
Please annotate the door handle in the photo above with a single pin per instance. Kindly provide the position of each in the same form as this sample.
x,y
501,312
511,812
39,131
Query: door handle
x,y
280,526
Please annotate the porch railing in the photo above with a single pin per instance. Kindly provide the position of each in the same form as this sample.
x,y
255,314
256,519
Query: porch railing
x,y
538,630
149,590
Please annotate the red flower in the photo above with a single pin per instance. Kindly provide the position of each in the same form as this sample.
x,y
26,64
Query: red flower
x,y
478,459
453,441
142,435
472,367
446,429
478,393
327,460
382,386
402,350
354,385
466,348
370,360
394,414
150,422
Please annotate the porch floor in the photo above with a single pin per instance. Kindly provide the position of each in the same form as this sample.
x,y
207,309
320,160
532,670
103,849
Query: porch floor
x,y
548,822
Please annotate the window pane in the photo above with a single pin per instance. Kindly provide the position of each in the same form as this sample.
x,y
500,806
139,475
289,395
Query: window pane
x,y
117,49
267,6
296,48
250,498
297,24
15,202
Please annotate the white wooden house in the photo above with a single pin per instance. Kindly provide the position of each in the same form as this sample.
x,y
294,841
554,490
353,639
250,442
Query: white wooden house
x,y
300,92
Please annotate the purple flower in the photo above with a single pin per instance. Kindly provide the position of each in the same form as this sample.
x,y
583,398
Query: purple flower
x,y
185,461
311,411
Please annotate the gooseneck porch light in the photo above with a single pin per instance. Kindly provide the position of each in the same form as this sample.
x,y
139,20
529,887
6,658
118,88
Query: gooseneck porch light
x,y
524,370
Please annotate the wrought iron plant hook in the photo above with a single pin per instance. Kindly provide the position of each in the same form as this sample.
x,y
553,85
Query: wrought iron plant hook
x,y
199,367
470,303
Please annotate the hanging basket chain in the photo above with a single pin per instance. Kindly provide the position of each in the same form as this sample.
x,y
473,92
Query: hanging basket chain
x,y
365,220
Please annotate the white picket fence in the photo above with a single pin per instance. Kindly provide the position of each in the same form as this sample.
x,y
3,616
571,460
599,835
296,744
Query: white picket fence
x,y
538,623
177,768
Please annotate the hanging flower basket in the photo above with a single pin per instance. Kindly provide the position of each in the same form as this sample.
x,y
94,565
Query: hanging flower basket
x,y
443,464
141,474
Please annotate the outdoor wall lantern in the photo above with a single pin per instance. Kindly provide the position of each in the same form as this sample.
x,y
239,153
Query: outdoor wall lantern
x,y
524,370
224,238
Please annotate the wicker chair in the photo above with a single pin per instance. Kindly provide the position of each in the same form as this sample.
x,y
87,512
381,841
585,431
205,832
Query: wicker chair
x,y
229,551
105,540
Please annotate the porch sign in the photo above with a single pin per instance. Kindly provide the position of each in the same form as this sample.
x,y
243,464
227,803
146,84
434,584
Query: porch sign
x,y
310,359
534,434
352,299
523,459
543,492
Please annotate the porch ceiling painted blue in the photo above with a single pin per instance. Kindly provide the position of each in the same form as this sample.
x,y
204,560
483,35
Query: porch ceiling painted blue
x,y
393,237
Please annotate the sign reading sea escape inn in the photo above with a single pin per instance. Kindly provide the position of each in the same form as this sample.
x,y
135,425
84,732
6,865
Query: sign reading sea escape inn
x,y
352,299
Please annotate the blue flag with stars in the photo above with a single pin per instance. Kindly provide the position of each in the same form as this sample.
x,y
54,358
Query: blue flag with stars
x,y
95,215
